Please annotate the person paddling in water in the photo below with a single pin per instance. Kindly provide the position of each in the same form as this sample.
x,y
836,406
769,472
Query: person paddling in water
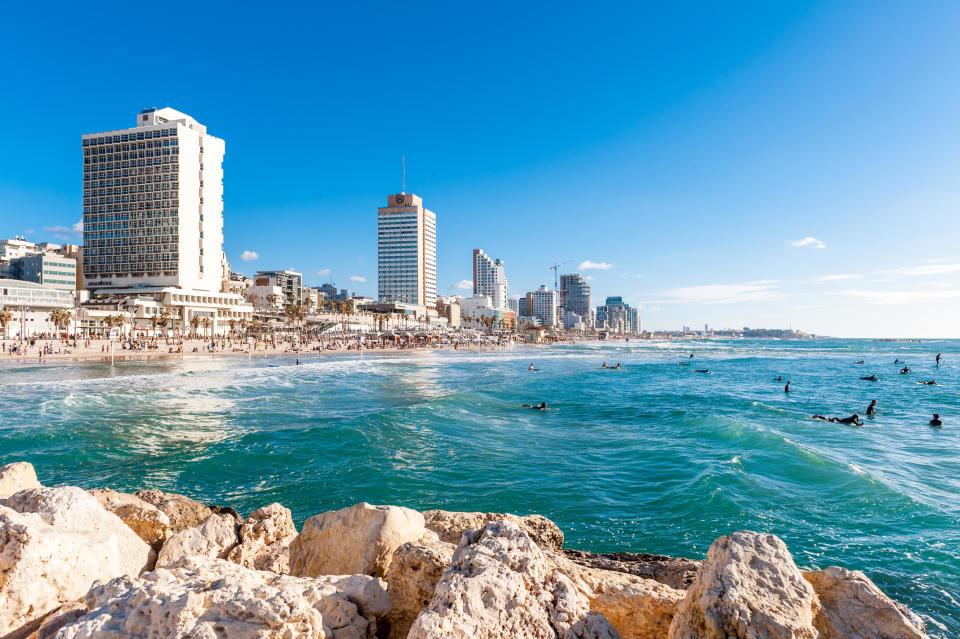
x,y
541,406
703,370
936,420
531,368
778,378
604,365
932,382
853,419
872,408
904,370
786,389
872,378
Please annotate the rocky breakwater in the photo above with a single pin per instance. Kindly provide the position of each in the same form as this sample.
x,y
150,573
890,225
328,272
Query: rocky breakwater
x,y
77,564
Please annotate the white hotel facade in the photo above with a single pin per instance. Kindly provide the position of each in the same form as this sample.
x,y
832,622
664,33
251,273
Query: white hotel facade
x,y
153,222
489,279
407,252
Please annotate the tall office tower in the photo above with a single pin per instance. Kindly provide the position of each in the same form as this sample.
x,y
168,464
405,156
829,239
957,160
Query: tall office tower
x,y
153,205
542,304
490,280
576,296
407,251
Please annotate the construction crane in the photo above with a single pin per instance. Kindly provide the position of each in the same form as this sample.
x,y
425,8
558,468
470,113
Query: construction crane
x,y
556,274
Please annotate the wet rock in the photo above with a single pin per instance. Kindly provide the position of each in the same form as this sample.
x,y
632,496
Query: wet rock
x,y
747,588
675,572
182,511
265,539
501,585
852,607
149,523
201,597
450,525
360,539
637,607
214,538
412,577
54,544
16,477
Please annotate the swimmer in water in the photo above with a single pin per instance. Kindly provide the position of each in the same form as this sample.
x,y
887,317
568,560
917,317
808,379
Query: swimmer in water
x,y
904,370
853,419
872,378
786,389
531,367
932,382
778,378
936,420
618,365
897,361
872,408
298,360
604,365
542,406
703,370
938,359
860,362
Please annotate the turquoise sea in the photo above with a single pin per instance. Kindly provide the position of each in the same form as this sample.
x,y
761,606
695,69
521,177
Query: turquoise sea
x,y
653,457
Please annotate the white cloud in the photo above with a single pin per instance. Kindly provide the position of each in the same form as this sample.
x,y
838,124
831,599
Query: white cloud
x,y
78,227
589,277
911,296
323,271
808,241
929,269
462,285
588,264
64,232
249,256
29,232
759,290
357,278
839,276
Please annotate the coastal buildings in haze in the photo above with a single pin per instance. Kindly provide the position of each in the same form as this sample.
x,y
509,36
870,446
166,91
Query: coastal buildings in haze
x,y
618,316
407,252
542,304
489,279
576,300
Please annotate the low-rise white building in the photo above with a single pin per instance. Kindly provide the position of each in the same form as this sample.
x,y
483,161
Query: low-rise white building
x,y
31,305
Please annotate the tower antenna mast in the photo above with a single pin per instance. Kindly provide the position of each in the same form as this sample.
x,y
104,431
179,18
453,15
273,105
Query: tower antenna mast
x,y
403,174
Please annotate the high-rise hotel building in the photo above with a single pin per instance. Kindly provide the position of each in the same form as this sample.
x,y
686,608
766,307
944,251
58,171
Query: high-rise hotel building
x,y
153,215
407,252
490,280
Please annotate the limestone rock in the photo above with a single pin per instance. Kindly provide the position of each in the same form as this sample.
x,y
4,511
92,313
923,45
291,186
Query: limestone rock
x,y
852,607
201,597
49,557
360,539
675,572
450,525
215,538
747,588
16,477
265,540
182,511
412,577
149,522
501,585
638,608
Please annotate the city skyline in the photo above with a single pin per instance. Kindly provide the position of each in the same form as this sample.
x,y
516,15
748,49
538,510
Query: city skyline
x,y
767,175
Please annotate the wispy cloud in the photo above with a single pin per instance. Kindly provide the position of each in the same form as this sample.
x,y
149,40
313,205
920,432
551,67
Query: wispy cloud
x,y
909,296
808,241
589,264
64,232
357,278
760,290
839,276
462,285
929,269
29,232
249,256
323,271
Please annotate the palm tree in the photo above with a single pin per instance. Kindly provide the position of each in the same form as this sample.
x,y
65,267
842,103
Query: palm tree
x,y
253,298
163,319
206,322
294,313
56,318
272,299
154,321
243,325
6,317
194,324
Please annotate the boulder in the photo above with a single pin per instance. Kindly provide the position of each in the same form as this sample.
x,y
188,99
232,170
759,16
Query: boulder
x,y
149,522
265,540
852,607
200,597
412,577
16,477
55,550
215,538
675,572
360,539
449,526
747,588
182,511
500,585
638,608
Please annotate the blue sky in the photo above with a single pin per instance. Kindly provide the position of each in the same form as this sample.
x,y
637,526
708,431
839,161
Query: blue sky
x,y
687,154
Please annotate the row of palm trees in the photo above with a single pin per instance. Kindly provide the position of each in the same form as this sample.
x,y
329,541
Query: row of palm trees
x,y
486,321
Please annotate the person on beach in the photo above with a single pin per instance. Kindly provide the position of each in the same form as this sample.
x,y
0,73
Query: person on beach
x,y
936,420
938,360
853,419
872,408
786,389
542,406
872,378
